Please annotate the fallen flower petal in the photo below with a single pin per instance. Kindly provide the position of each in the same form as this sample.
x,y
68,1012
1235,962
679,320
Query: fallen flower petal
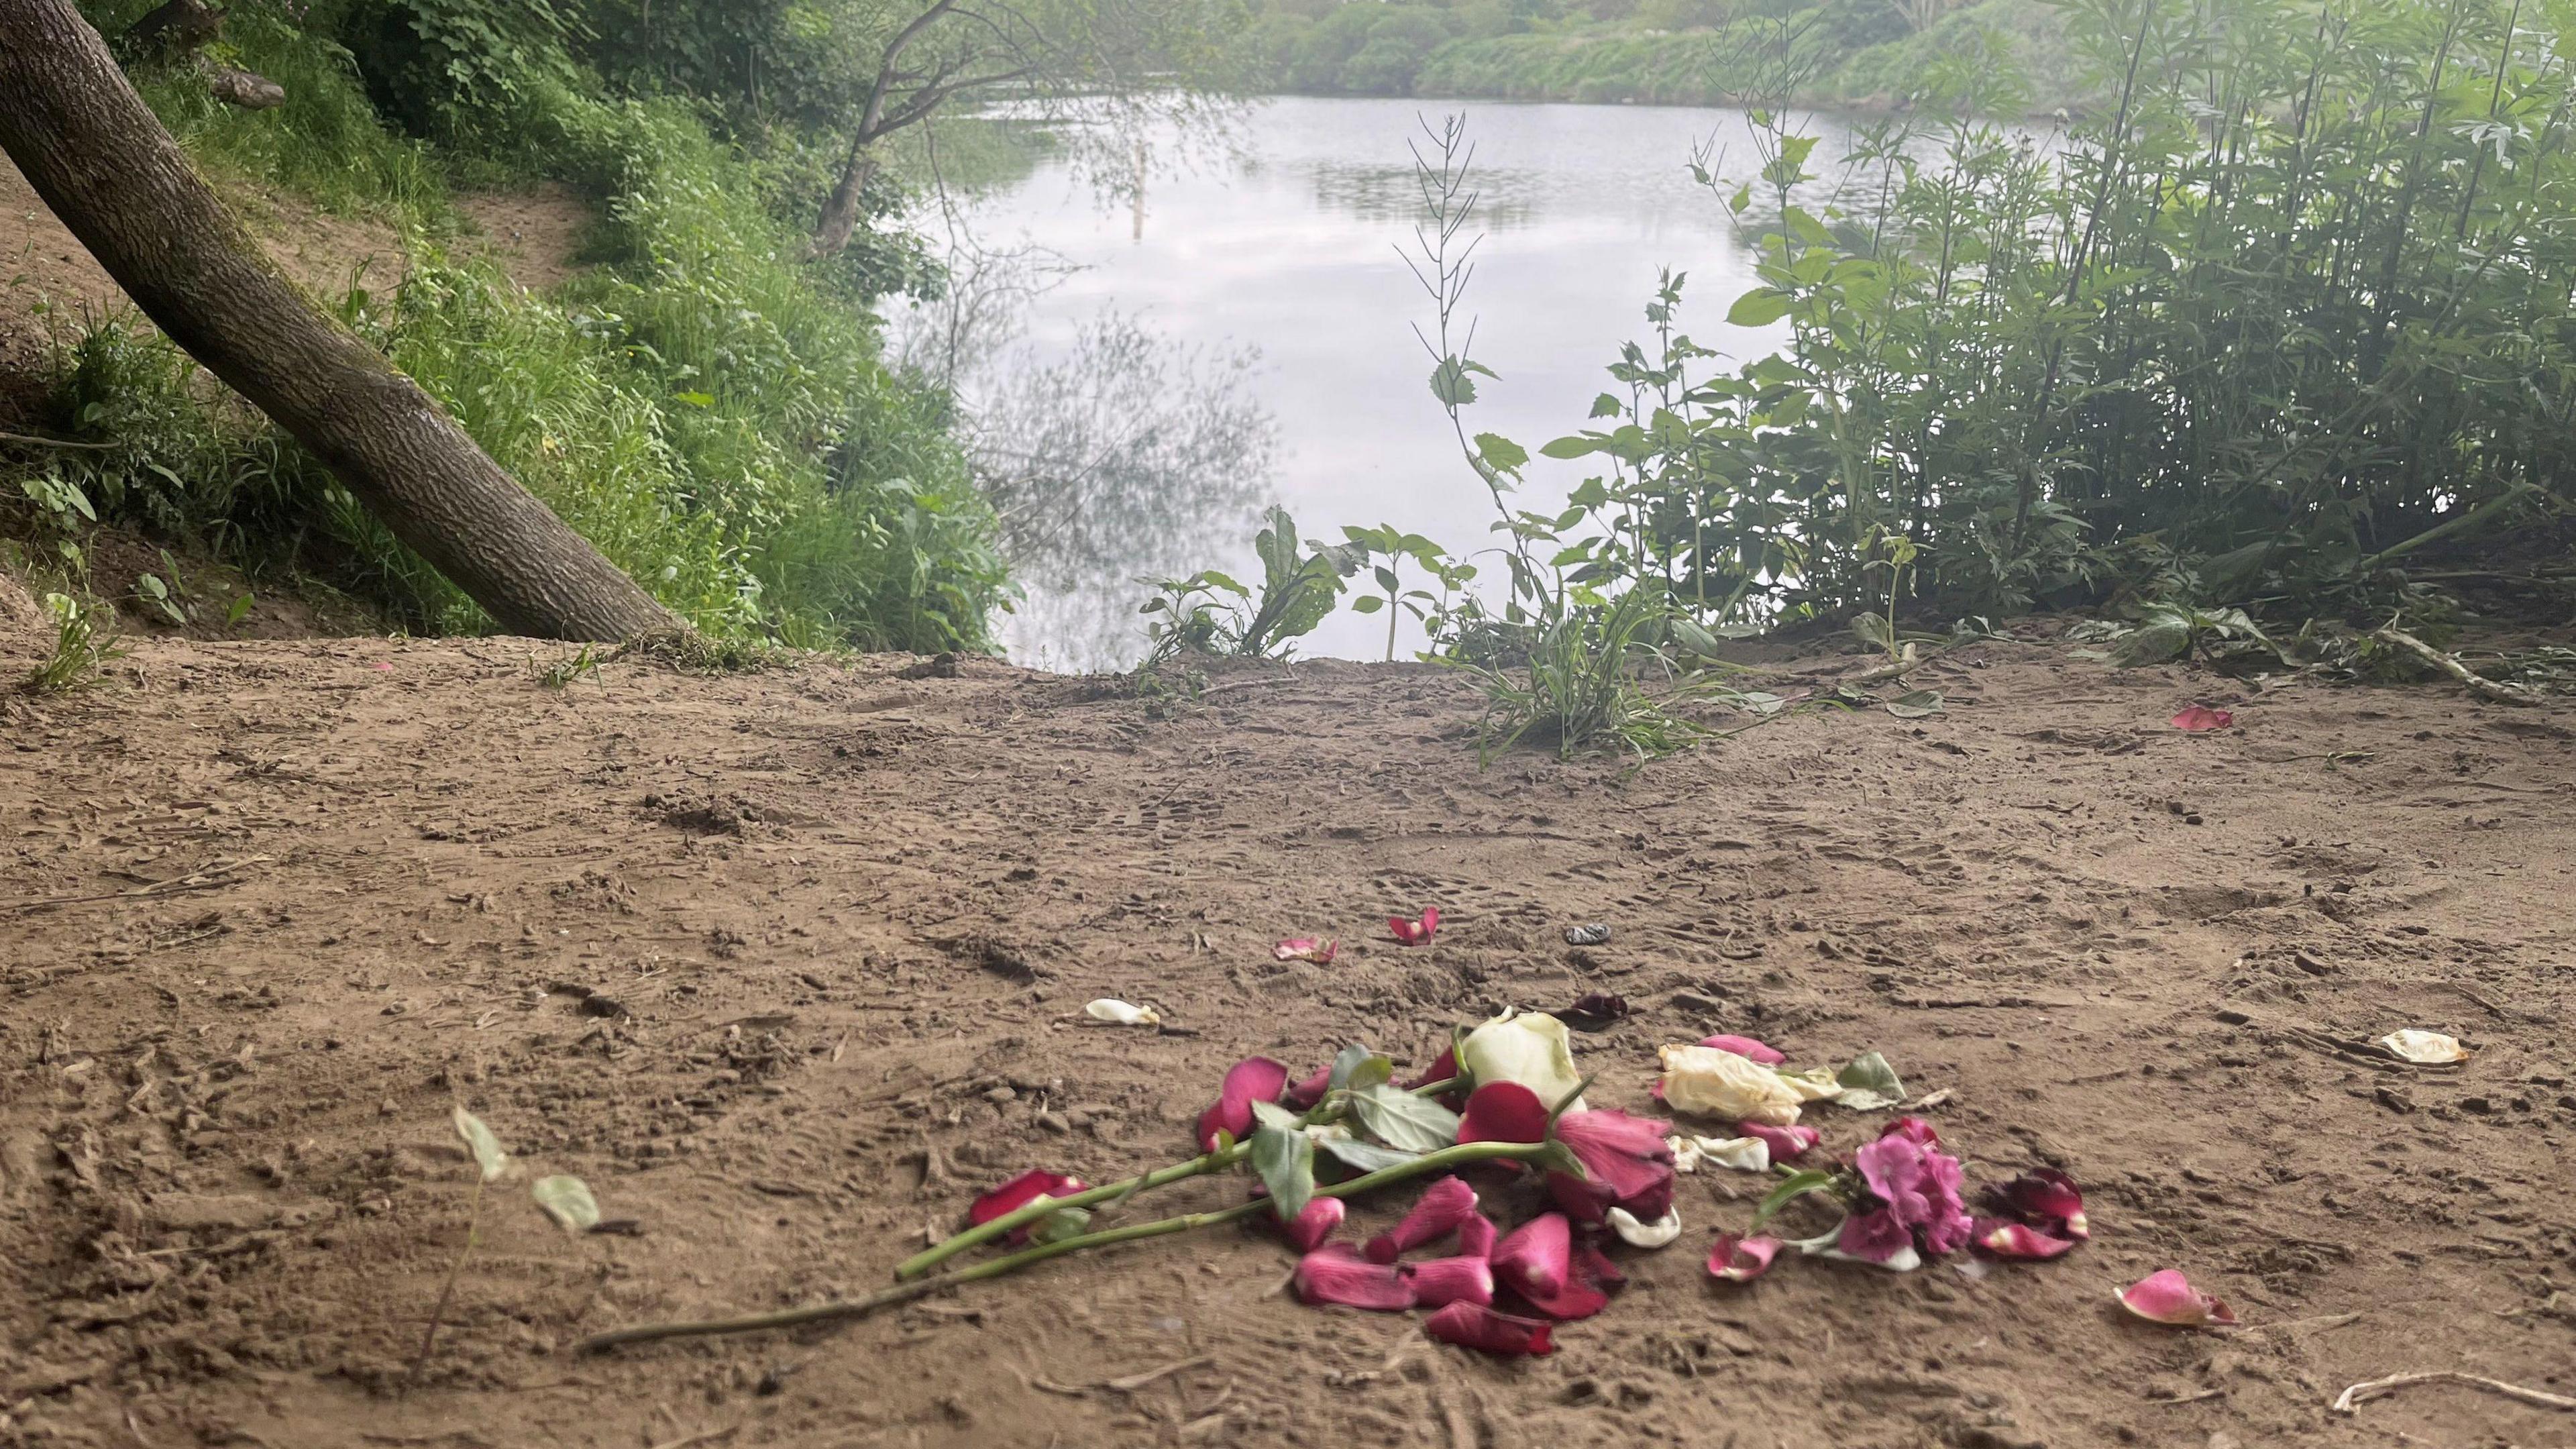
x,y
1444,1067
1530,1048
1914,1130
1336,1274
1626,1163
1586,1291
1745,1047
1122,1013
2168,1297
1723,1084
1656,1234
1503,1112
2047,1197
2424,1048
1302,1095
1878,1237
1254,1079
1739,1154
1535,1258
1438,1282
1473,1325
1816,1084
1321,1219
1307,948
1786,1143
2201,717
1018,1193
1415,933
2018,1240
1477,1236
1441,1209
1740,1259
1594,1011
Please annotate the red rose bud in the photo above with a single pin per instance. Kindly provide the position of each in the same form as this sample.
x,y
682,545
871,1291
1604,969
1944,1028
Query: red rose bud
x,y
1254,1079
1472,1325
2017,1240
1321,1219
1740,1259
1442,1208
1745,1047
1335,1274
1438,1282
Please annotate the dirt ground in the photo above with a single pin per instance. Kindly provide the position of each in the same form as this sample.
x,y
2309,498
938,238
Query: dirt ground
x,y
789,966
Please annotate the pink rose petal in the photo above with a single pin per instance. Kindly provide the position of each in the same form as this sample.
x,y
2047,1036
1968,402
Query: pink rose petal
x,y
1441,1209
1503,1112
1307,1093
1415,933
1477,1236
1307,948
1914,1130
1586,1291
1535,1258
1472,1325
1443,1068
2018,1240
1874,1237
1626,1163
2201,717
1438,1282
1745,1047
1784,1142
1334,1273
1321,1219
1740,1259
2168,1297
2048,1198
1018,1193
1254,1079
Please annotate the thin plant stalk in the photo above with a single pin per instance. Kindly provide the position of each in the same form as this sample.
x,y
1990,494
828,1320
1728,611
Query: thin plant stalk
x,y
447,1289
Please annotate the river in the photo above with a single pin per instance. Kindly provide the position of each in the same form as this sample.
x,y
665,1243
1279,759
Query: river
x,y
1292,244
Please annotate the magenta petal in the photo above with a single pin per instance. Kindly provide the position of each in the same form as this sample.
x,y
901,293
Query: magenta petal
x,y
2018,1240
1745,1047
1321,1219
1335,1274
1535,1258
1785,1142
1477,1236
2168,1297
1307,948
1503,1112
1414,933
1585,1291
1444,1067
1307,1093
1875,1237
1438,1282
2047,1197
1894,1170
1914,1130
1442,1207
1018,1193
1472,1325
1739,1259
1254,1079
1625,1159
2202,717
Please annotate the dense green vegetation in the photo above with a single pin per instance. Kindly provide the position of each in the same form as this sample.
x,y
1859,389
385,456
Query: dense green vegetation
x,y
708,408
1868,53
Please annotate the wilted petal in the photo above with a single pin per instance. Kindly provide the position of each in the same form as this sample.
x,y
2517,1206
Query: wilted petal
x,y
1626,1163
1321,1219
1018,1193
1786,1143
1473,1325
1877,1237
2168,1297
1740,1259
2201,717
2018,1240
1254,1079
1815,1084
1738,1154
1416,932
1477,1236
1503,1112
1530,1048
1893,1168
1745,1047
1442,1207
1723,1084
2047,1197
1586,1292
1914,1130
1444,1067
1656,1234
1438,1282
2424,1048
1307,1093
1336,1274
1307,948
1594,1011
1122,1013
1535,1258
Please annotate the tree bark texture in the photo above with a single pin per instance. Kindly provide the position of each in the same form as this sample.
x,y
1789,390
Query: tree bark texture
x,y
101,160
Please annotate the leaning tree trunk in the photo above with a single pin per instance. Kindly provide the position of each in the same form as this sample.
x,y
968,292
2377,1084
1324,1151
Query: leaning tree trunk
x,y
102,161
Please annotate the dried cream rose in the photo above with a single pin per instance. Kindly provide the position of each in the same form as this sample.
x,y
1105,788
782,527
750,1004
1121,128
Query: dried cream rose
x,y
1718,1083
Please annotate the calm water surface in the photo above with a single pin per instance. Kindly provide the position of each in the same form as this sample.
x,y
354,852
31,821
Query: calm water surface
x,y
1292,246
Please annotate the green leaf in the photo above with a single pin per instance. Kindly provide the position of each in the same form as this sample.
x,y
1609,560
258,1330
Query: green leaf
x,y
1607,406
489,1155
1364,1156
695,399
1451,383
1574,447
568,1201
1402,1120
1796,1185
1358,1066
1501,453
1869,1084
1285,1159
1920,704
1368,604
1759,308
1061,1224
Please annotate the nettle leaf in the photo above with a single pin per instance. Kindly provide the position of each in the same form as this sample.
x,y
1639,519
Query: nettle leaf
x,y
1869,1084
1358,1066
1402,1120
1364,1156
489,1155
1451,383
568,1201
1501,453
1285,1159
1920,704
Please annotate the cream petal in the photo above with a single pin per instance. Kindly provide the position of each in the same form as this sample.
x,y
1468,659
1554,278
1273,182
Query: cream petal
x,y
1656,1234
1718,1083
1531,1048
1122,1013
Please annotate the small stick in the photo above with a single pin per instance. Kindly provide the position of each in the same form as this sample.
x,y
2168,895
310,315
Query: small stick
x,y
33,441
2432,658
2354,1397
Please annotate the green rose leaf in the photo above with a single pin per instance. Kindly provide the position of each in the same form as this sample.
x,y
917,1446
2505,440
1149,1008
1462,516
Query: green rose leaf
x,y
1358,1067
1285,1159
1869,1084
1364,1156
1402,1120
